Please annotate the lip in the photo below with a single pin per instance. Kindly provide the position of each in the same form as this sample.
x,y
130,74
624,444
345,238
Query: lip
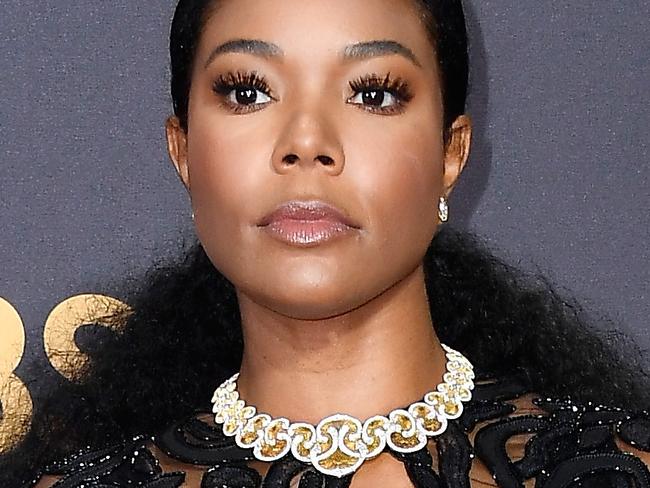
x,y
307,223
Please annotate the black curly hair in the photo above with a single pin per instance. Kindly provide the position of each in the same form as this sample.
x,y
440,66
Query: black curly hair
x,y
184,336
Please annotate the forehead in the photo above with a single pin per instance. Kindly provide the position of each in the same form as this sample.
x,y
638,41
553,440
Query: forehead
x,y
318,29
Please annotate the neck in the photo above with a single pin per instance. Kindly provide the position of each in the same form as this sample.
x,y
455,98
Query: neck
x,y
378,357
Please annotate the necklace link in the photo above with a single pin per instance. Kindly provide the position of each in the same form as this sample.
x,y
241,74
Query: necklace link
x,y
340,443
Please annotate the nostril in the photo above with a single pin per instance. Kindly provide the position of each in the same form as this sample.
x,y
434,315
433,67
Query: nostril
x,y
326,160
290,158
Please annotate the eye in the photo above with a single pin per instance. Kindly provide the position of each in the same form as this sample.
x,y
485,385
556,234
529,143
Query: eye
x,y
247,96
242,92
380,95
375,98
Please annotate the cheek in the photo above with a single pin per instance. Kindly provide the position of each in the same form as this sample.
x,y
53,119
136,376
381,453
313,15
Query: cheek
x,y
401,178
227,173
225,163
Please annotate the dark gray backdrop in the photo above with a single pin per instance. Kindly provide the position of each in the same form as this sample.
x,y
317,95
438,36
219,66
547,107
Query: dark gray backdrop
x,y
557,181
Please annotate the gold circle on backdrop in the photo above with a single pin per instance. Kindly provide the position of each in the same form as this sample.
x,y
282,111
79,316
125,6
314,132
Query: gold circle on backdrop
x,y
17,405
67,317
12,339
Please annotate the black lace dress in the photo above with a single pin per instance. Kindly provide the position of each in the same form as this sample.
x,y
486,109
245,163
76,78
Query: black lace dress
x,y
567,445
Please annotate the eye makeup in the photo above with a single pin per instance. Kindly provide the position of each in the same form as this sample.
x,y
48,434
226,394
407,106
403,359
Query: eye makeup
x,y
245,86
240,92
374,84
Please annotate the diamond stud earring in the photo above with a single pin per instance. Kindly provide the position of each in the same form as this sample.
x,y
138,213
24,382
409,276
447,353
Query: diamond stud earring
x,y
443,210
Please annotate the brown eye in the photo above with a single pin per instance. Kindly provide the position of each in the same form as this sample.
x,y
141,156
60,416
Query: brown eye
x,y
380,95
242,92
375,98
247,96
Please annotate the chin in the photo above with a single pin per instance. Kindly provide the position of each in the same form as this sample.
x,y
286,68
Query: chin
x,y
311,311
310,303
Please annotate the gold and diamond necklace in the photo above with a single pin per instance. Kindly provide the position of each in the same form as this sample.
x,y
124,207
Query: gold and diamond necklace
x,y
340,443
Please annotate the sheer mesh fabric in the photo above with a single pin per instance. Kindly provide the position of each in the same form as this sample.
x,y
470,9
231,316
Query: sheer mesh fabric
x,y
507,437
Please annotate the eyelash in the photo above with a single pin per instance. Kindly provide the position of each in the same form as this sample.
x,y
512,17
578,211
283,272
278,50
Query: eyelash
x,y
224,85
398,88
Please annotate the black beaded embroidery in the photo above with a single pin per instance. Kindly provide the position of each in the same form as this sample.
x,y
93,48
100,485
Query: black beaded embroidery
x,y
126,464
572,446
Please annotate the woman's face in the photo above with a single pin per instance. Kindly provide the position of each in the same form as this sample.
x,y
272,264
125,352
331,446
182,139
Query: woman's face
x,y
293,128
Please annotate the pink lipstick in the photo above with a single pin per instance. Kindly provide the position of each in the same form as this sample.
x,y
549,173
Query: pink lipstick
x,y
307,223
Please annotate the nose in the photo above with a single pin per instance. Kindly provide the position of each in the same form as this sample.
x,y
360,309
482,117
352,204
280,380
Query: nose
x,y
308,139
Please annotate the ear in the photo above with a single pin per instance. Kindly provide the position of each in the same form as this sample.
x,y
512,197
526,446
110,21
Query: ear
x,y
456,152
177,149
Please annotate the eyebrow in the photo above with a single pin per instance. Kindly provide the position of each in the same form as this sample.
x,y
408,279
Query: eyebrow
x,y
360,50
370,49
255,47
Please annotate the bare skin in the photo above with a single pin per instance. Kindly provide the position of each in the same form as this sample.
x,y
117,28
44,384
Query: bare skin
x,y
343,326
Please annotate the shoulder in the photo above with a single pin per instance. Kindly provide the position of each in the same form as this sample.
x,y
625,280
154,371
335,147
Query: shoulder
x,y
518,434
136,459
178,456
633,435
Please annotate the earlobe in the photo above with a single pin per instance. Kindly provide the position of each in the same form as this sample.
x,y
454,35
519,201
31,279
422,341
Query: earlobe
x,y
457,151
177,149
